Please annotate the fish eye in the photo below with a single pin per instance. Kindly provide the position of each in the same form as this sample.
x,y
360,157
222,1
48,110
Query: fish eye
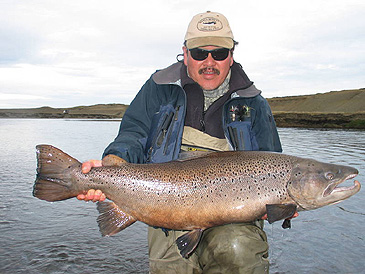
x,y
330,176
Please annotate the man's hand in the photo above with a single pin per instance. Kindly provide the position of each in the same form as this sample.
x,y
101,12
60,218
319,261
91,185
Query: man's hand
x,y
92,194
86,166
296,214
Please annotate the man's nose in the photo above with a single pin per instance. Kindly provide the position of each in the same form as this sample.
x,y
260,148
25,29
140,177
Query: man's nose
x,y
209,60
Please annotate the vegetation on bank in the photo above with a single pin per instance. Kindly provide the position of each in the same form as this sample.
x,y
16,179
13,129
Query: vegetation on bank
x,y
320,120
356,124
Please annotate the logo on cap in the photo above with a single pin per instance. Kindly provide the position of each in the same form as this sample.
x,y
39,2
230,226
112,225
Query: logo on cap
x,y
209,24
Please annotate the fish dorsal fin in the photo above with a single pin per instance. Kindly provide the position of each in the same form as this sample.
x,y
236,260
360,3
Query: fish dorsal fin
x,y
276,212
113,160
112,219
188,242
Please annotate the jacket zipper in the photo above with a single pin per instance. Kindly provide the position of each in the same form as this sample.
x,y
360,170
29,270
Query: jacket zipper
x,y
171,128
202,122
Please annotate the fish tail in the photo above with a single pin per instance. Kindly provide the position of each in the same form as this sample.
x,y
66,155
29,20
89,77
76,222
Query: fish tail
x,y
53,181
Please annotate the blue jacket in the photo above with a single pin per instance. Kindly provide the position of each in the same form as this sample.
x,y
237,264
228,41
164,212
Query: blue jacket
x,y
152,127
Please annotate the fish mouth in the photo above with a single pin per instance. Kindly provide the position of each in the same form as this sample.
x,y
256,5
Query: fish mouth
x,y
346,191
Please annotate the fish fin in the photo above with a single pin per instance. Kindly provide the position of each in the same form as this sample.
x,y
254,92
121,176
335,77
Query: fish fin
x,y
276,212
188,242
113,160
286,224
112,219
52,182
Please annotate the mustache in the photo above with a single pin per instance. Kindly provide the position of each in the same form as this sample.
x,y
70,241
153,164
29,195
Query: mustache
x,y
203,70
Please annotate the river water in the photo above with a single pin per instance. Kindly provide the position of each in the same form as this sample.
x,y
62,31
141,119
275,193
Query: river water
x,y
63,237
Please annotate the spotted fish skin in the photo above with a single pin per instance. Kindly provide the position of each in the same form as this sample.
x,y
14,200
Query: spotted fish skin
x,y
220,188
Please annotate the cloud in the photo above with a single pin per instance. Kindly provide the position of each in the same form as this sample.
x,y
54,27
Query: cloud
x,y
67,53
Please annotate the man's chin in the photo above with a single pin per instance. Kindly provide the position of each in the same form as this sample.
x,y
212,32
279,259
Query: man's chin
x,y
209,84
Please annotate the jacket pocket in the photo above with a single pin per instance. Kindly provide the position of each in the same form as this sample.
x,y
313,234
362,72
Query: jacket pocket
x,y
163,135
241,136
237,125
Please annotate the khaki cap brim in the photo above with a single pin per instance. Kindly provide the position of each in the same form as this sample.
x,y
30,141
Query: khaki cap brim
x,y
224,42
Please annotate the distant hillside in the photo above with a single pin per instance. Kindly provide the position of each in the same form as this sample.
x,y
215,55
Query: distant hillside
x,y
345,101
335,109
101,111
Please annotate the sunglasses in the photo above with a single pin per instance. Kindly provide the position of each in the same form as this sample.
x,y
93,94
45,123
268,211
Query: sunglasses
x,y
202,54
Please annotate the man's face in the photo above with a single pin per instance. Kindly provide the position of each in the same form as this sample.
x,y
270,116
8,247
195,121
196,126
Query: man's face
x,y
208,73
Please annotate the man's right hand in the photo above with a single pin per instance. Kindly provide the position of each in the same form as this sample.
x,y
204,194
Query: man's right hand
x,y
92,194
86,166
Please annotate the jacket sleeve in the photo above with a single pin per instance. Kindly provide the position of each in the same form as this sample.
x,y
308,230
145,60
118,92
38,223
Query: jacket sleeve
x,y
135,126
265,128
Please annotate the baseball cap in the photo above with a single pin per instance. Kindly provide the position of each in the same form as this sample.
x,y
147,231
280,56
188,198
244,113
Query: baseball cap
x,y
209,29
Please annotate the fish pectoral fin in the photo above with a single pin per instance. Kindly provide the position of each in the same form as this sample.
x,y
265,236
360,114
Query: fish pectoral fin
x,y
276,212
113,160
112,219
188,242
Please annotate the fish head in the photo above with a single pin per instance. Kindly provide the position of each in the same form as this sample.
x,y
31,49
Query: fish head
x,y
315,184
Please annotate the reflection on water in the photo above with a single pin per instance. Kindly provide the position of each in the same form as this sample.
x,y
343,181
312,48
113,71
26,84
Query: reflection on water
x,y
40,237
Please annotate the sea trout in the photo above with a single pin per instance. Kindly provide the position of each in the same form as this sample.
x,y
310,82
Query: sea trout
x,y
195,194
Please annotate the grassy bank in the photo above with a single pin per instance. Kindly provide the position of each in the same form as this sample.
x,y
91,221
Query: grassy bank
x,y
335,109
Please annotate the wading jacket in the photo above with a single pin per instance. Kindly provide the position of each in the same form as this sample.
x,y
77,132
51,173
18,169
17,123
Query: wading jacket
x,y
152,127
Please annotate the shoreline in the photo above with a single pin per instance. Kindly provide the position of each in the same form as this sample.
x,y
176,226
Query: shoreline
x,y
282,119
320,120
343,109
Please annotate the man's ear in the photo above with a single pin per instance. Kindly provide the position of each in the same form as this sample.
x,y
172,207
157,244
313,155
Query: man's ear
x,y
186,52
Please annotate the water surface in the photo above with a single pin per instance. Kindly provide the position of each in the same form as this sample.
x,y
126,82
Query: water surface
x,y
63,237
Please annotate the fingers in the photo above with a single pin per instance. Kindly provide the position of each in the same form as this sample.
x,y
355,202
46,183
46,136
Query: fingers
x,y
80,197
98,196
296,214
92,195
86,166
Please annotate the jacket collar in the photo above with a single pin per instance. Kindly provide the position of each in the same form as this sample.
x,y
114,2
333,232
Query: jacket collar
x,y
169,75
177,74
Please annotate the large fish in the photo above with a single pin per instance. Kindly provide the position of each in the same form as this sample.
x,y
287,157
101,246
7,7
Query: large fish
x,y
198,193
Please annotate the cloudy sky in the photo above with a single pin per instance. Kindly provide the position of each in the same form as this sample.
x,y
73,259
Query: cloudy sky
x,y
64,53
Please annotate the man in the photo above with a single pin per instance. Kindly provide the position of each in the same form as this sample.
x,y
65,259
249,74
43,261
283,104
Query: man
x,y
205,103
